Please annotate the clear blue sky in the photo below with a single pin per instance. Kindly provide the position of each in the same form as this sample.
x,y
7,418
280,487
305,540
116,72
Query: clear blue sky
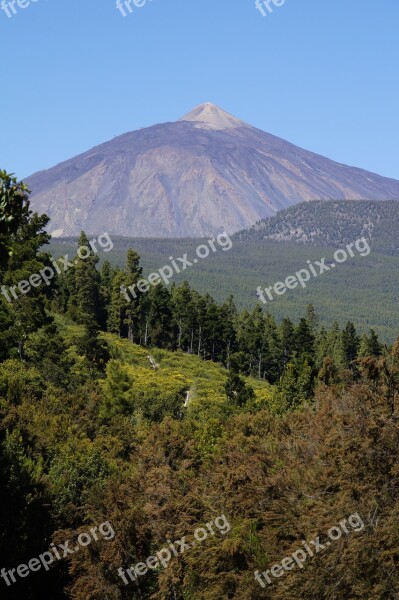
x,y
322,74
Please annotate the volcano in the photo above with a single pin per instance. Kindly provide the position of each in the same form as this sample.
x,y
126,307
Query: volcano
x,y
207,172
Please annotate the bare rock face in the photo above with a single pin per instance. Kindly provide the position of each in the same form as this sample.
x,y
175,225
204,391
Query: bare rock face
x,y
205,173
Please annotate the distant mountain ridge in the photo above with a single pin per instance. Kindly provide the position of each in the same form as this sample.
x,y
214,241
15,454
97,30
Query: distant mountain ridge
x,y
207,172
333,224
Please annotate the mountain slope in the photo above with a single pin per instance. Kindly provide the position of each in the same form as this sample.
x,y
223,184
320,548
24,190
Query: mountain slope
x,y
206,172
332,224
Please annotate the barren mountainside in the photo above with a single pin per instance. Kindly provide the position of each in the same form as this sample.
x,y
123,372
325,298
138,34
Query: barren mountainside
x,y
206,172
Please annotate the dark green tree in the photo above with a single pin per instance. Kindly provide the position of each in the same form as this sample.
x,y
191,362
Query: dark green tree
x,y
370,346
287,333
84,284
160,317
91,346
14,209
23,312
124,316
304,342
350,344
183,315
312,319
237,391
229,316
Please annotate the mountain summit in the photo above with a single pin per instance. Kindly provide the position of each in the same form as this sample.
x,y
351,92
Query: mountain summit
x,y
204,173
209,116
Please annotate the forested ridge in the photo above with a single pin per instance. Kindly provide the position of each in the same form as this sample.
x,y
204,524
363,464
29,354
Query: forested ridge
x,y
161,412
332,223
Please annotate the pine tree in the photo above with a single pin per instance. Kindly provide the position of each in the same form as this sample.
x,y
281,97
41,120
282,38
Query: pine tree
x,y
117,398
22,233
370,346
206,316
287,334
304,342
375,348
334,346
275,356
350,344
160,317
84,285
312,319
286,393
295,387
252,341
93,348
183,315
228,315
14,210
117,304
124,310
106,275
131,317
237,392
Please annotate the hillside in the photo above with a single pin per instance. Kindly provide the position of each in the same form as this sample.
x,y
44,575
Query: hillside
x,y
369,285
177,373
268,481
333,224
131,427
204,173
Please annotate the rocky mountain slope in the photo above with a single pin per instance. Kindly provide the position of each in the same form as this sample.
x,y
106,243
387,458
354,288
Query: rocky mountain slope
x,y
206,172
